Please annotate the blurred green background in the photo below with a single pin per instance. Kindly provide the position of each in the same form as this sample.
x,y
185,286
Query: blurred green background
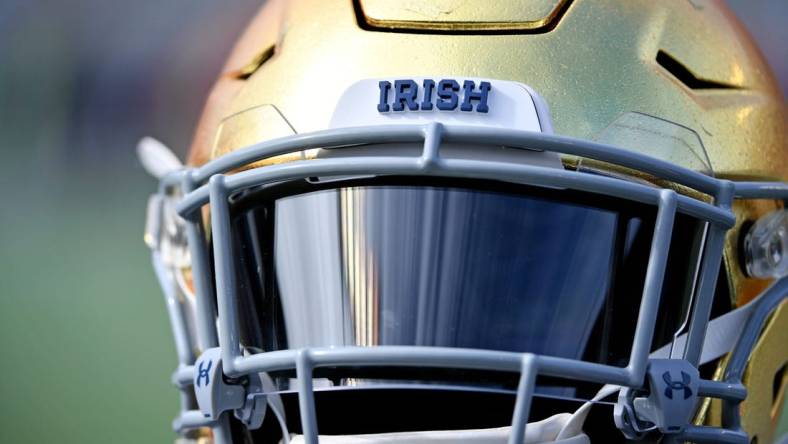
x,y
85,346
85,340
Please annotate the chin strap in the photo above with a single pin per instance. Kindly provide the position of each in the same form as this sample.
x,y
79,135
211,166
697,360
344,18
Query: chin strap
x,y
276,405
564,428
721,336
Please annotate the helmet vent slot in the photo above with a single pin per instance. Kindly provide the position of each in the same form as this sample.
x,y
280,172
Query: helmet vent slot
x,y
777,385
453,17
255,64
685,76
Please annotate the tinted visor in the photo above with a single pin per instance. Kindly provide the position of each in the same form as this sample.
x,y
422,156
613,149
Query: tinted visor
x,y
482,265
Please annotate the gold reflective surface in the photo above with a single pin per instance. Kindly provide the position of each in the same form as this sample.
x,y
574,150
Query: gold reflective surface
x,y
461,15
598,63
762,409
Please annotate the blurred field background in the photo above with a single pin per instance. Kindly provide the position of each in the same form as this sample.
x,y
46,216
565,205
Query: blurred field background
x,y
85,347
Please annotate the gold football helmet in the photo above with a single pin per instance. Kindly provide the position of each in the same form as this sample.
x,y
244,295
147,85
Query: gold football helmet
x,y
505,221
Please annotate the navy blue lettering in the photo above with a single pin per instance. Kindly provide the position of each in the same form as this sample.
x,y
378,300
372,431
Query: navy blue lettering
x,y
447,92
445,95
405,93
383,105
204,372
470,94
426,103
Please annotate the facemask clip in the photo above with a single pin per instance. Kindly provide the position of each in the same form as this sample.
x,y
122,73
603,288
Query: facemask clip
x,y
667,405
216,395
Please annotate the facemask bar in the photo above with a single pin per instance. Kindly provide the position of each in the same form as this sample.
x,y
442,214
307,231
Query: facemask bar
x,y
219,188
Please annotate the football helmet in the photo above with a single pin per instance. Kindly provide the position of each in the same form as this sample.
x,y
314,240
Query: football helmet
x,y
452,221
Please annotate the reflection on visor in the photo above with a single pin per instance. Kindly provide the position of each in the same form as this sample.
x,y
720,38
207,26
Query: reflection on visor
x,y
441,267
451,267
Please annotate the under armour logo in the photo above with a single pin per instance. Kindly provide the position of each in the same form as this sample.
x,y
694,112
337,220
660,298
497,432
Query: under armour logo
x,y
203,373
677,385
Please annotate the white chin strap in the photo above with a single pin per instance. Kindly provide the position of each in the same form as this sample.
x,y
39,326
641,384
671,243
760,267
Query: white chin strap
x,y
563,428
